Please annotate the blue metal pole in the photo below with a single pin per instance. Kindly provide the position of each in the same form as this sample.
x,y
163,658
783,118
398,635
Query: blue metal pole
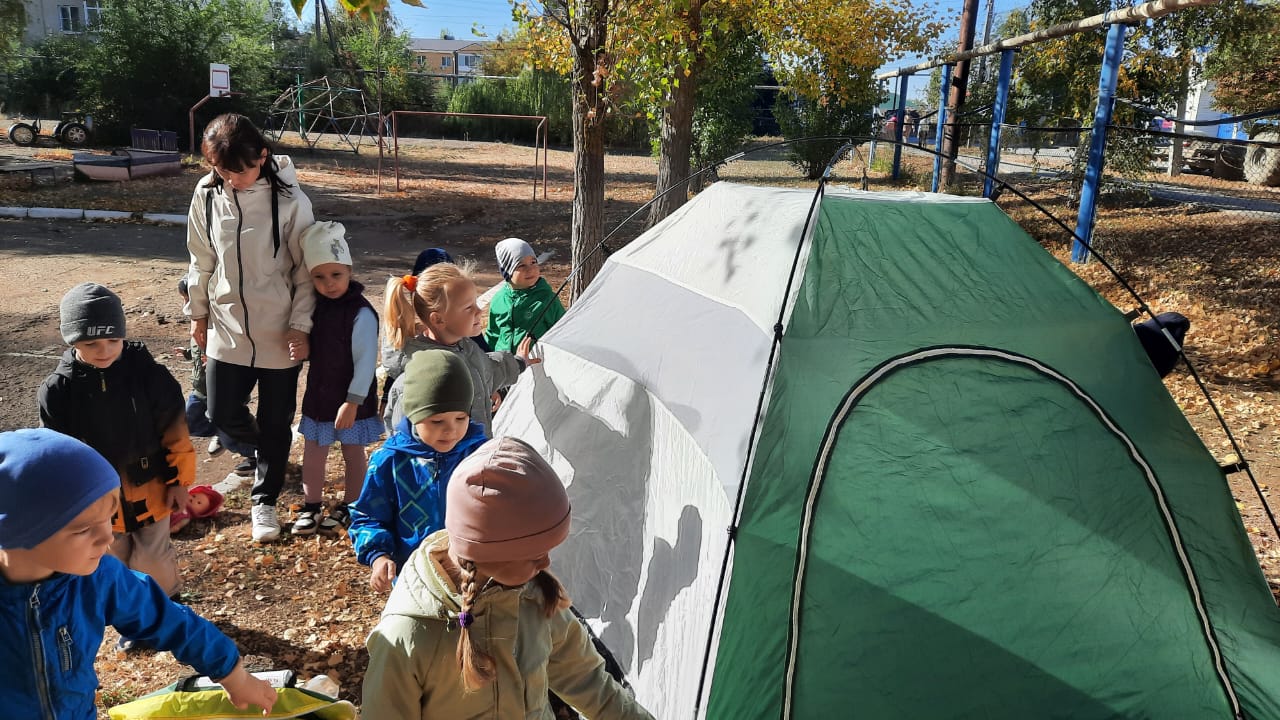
x,y
997,119
1111,60
942,121
897,131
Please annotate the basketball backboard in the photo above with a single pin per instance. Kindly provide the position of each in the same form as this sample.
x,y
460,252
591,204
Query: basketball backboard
x,y
219,80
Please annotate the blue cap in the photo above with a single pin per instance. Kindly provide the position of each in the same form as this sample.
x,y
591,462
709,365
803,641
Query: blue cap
x,y
46,480
429,257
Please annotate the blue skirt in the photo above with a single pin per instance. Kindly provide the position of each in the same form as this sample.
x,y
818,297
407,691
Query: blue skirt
x,y
363,432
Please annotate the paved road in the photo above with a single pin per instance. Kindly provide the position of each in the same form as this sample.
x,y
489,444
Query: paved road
x,y
1013,165
1208,198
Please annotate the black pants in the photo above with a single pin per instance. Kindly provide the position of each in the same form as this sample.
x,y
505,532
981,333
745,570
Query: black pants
x,y
271,431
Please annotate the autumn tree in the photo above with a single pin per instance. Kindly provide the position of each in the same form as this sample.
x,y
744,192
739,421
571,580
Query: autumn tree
x,y
823,50
1245,61
579,31
660,48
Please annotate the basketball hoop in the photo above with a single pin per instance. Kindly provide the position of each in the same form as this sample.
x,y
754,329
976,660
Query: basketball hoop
x,y
219,80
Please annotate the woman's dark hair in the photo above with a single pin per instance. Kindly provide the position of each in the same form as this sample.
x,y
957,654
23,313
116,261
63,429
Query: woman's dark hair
x,y
232,142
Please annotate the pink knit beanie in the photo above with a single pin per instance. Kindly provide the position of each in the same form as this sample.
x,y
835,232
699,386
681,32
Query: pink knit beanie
x,y
505,503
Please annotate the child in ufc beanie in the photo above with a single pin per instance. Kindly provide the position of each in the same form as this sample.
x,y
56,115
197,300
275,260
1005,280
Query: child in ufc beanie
x,y
112,395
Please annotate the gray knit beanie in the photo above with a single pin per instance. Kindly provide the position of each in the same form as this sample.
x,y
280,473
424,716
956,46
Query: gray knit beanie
x,y
89,311
510,252
436,381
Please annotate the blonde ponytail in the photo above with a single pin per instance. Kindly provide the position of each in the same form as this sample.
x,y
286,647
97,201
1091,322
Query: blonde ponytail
x,y
400,316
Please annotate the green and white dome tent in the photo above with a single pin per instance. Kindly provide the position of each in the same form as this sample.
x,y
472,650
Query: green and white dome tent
x,y
964,490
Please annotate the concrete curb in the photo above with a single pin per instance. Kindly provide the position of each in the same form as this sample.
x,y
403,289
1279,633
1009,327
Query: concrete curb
x,y
43,213
107,215
167,218
55,214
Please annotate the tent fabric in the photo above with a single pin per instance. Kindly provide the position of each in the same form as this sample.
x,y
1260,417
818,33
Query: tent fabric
x,y
970,495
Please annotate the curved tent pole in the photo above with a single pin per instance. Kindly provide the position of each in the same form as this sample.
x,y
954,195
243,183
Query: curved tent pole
x,y
818,194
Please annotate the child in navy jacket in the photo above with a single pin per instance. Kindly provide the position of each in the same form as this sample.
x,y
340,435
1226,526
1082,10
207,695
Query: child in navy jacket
x,y
59,588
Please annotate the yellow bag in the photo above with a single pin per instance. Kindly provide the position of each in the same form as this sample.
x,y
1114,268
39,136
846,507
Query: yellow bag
x,y
194,699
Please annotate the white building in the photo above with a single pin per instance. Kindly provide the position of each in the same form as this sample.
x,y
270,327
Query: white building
x,y
59,17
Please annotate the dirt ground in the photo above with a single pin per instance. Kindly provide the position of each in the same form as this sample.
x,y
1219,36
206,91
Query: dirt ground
x,y
304,603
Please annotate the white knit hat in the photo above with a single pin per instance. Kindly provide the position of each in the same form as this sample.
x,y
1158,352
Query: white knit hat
x,y
324,242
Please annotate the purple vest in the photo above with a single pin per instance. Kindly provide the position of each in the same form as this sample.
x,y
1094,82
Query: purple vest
x,y
331,363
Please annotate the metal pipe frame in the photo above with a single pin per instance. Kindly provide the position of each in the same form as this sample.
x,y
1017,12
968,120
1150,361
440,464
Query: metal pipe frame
x,y
997,120
1111,60
543,128
1146,11
942,122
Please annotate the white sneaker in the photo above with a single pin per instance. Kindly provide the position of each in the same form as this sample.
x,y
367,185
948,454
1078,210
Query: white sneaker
x,y
266,524
215,447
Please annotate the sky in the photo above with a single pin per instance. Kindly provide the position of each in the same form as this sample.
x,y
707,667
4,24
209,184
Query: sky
x,y
458,17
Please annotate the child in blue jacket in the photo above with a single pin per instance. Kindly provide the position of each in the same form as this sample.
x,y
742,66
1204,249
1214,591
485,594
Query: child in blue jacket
x,y
59,588
402,501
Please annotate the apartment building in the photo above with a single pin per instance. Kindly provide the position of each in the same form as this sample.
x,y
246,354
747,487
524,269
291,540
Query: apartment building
x,y
462,58
60,17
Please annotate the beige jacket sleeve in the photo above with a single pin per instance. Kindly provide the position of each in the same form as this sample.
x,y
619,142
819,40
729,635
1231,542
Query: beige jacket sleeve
x,y
576,673
204,258
304,296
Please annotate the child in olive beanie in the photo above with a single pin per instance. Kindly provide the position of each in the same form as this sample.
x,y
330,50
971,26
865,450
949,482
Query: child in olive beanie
x,y
403,499
436,381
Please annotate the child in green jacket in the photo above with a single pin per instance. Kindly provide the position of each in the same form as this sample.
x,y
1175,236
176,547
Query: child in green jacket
x,y
476,626
526,305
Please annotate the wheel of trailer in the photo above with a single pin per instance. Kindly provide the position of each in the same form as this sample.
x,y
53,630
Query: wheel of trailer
x,y
22,134
1228,163
1262,164
74,134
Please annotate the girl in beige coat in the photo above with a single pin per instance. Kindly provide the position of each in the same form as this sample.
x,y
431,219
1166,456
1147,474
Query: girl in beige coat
x,y
476,627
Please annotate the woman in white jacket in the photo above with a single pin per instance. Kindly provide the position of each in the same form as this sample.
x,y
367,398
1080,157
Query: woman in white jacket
x,y
250,297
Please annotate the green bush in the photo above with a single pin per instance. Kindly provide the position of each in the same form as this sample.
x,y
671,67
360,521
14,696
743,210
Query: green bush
x,y
530,93
47,82
800,118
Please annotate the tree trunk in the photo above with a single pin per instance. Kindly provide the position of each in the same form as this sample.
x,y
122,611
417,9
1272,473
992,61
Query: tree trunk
x,y
676,146
951,135
588,153
676,125
1175,147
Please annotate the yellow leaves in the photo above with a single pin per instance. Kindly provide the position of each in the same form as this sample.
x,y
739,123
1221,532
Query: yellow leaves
x,y
828,44
818,46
